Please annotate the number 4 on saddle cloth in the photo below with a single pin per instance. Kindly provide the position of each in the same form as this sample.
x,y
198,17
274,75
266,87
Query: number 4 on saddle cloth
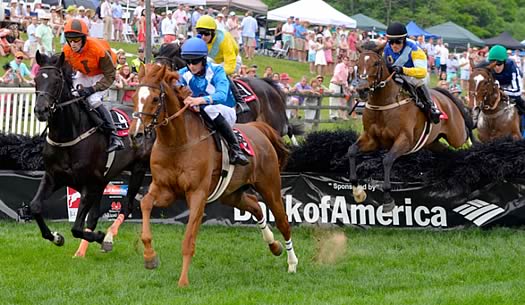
x,y
121,120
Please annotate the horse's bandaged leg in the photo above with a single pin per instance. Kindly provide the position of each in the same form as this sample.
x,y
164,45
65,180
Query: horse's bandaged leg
x,y
82,248
292,258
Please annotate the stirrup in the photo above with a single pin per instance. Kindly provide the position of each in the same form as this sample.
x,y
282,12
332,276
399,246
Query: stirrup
x,y
242,107
238,158
115,143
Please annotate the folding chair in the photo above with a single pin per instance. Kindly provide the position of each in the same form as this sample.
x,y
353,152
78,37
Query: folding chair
x,y
281,53
129,35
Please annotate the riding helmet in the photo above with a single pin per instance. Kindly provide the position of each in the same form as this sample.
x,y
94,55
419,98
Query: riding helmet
x,y
396,30
206,22
498,53
194,48
75,28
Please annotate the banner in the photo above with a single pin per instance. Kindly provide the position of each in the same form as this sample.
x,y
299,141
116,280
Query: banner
x,y
312,198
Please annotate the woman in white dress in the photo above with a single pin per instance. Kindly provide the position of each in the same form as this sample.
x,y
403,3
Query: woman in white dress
x,y
320,59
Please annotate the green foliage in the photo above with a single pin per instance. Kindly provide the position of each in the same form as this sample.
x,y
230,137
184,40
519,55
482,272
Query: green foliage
x,y
485,18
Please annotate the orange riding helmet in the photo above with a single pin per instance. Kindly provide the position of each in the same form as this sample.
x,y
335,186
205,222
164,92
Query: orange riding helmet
x,y
75,28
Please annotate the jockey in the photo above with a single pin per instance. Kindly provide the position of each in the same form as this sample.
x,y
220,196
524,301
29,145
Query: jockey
x,y
409,62
94,62
222,47
508,75
210,87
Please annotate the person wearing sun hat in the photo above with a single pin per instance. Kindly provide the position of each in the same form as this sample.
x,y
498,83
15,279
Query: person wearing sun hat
x,y
44,35
20,68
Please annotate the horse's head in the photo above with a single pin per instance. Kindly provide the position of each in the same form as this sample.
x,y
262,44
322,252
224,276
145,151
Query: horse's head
x,y
485,89
52,79
151,99
170,54
371,68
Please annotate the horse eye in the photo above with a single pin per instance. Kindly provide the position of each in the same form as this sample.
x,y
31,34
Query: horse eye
x,y
156,99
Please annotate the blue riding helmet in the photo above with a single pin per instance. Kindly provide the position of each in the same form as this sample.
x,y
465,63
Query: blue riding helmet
x,y
194,48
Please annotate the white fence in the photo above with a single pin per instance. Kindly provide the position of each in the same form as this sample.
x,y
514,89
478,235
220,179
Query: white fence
x,y
16,112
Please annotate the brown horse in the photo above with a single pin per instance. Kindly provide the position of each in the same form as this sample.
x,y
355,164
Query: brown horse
x,y
498,118
392,121
186,164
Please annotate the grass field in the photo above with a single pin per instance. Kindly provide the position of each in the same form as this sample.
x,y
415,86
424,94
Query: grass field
x,y
233,266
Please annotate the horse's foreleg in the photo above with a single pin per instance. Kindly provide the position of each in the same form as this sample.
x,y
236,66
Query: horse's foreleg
x,y
363,144
196,203
91,224
400,147
89,202
137,177
46,188
150,257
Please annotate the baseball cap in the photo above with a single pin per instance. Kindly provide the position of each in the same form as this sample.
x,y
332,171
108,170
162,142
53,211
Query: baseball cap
x,y
19,54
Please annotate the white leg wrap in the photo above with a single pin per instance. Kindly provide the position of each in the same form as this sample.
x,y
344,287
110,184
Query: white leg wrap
x,y
292,259
266,232
109,237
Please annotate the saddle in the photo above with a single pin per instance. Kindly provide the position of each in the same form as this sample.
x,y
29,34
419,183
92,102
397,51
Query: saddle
x,y
243,94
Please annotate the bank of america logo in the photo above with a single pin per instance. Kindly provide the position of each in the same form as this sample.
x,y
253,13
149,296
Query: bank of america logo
x,y
479,211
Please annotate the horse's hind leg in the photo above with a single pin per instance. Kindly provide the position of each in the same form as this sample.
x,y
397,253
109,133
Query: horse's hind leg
x,y
136,179
91,224
270,190
400,147
45,189
91,195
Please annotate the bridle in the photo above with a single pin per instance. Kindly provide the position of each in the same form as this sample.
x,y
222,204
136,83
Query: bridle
x,y
162,108
54,104
377,83
486,98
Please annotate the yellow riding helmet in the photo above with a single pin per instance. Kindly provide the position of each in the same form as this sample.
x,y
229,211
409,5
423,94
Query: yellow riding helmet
x,y
206,22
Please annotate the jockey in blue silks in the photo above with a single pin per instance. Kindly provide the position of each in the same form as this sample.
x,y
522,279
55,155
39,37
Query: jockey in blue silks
x,y
409,62
210,88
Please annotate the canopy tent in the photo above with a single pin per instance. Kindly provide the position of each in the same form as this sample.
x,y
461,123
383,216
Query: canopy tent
x,y
455,35
414,30
368,24
313,11
256,6
506,40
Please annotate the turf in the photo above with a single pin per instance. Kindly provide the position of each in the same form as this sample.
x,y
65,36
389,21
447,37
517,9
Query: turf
x,y
233,266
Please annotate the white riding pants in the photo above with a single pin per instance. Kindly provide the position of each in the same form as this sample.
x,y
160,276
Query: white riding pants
x,y
94,99
228,113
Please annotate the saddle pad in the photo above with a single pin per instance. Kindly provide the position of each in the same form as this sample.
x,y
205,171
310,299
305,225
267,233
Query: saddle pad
x,y
245,91
245,145
122,121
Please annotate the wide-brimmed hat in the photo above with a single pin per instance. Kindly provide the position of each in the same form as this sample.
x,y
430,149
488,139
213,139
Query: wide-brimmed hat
x,y
19,54
284,76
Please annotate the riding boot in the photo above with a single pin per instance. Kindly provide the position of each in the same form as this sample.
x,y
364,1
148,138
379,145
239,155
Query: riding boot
x,y
241,104
115,143
475,115
520,104
432,112
236,155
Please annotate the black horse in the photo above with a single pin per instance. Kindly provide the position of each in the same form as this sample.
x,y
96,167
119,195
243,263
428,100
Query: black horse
x,y
269,107
75,155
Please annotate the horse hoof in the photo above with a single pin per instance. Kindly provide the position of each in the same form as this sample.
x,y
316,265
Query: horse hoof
x,y
359,194
292,268
276,247
58,239
151,263
107,246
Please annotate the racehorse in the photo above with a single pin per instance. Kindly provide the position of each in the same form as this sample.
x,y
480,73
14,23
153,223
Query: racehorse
x,y
498,118
269,106
185,164
392,121
75,155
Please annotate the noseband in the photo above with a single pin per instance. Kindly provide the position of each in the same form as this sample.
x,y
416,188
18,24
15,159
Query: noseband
x,y
377,83
161,108
486,98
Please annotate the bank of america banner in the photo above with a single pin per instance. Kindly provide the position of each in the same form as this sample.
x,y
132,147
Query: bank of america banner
x,y
312,198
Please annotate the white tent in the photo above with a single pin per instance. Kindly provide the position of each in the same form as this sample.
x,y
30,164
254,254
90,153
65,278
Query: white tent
x,y
255,5
314,11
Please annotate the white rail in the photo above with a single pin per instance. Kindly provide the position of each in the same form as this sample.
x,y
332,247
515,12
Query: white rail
x,y
16,111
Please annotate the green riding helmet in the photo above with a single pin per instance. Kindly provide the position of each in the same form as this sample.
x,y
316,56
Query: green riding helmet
x,y
498,53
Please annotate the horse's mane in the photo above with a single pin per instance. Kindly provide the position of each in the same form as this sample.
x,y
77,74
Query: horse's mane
x,y
482,65
171,53
275,85
369,45
151,74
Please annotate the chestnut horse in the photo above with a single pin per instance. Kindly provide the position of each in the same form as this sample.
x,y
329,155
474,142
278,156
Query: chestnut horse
x,y
392,121
186,164
498,118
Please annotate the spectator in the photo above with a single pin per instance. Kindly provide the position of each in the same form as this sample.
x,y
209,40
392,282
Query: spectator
x,y
301,87
443,80
31,44
249,28
141,37
221,25
126,77
44,36
252,72
82,16
39,10
6,48
452,67
243,71
343,46
300,42
268,72
121,60
339,84
320,58
276,77
278,35
328,44
181,19
197,13
14,14
352,46
309,114
57,22
138,62
443,55
168,28
20,69
455,87
14,38
288,32
116,13
180,40
107,16
137,13
232,25
464,71
431,53
312,49
9,77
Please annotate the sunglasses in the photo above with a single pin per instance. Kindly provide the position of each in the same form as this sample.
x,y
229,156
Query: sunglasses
x,y
19,58
396,41
498,62
75,40
204,33
194,61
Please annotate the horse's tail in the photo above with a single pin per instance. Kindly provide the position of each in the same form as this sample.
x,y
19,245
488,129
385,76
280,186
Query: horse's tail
x,y
276,140
469,123
293,129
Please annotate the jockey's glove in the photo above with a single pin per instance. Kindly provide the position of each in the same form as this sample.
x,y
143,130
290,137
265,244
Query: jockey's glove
x,y
85,91
398,70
